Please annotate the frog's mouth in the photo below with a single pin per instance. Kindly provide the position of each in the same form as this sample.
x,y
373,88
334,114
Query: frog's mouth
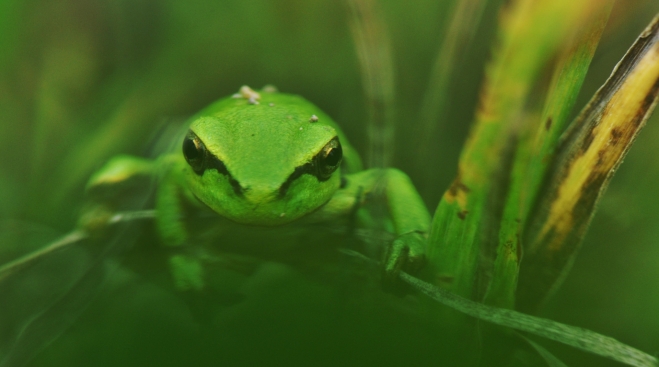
x,y
259,212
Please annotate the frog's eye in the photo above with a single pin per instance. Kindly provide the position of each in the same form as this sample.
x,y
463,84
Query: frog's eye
x,y
329,159
194,152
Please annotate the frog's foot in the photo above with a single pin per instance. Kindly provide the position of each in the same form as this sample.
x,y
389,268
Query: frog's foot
x,y
406,253
94,219
188,273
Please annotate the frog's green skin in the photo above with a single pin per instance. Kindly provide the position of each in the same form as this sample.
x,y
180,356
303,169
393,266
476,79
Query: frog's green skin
x,y
258,160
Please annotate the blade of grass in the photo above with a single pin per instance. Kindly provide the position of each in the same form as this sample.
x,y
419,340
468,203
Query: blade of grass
x,y
41,320
550,359
569,74
537,141
589,154
466,212
10,268
582,339
579,338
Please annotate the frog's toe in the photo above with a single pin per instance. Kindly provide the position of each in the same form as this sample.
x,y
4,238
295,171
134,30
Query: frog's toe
x,y
406,254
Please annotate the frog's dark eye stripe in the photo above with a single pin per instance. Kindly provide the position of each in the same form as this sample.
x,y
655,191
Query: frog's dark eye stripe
x,y
200,159
299,171
322,165
214,162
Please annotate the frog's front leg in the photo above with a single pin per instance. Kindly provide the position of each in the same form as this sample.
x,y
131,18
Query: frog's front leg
x,y
186,270
120,185
113,188
411,222
405,208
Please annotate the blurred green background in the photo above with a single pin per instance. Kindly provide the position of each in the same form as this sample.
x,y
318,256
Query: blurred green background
x,y
81,81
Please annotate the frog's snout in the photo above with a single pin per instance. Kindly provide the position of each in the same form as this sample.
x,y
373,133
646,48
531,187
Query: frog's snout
x,y
261,194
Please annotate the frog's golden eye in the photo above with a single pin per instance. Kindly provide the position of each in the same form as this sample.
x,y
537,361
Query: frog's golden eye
x,y
329,159
194,152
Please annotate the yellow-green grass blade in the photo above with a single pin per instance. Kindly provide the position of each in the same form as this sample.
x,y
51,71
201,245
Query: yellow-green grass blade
x,y
373,46
589,154
569,74
529,34
538,139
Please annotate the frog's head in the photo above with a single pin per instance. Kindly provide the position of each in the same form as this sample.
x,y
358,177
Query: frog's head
x,y
265,164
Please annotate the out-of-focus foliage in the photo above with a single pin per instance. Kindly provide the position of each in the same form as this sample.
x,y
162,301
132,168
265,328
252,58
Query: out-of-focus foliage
x,y
81,81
